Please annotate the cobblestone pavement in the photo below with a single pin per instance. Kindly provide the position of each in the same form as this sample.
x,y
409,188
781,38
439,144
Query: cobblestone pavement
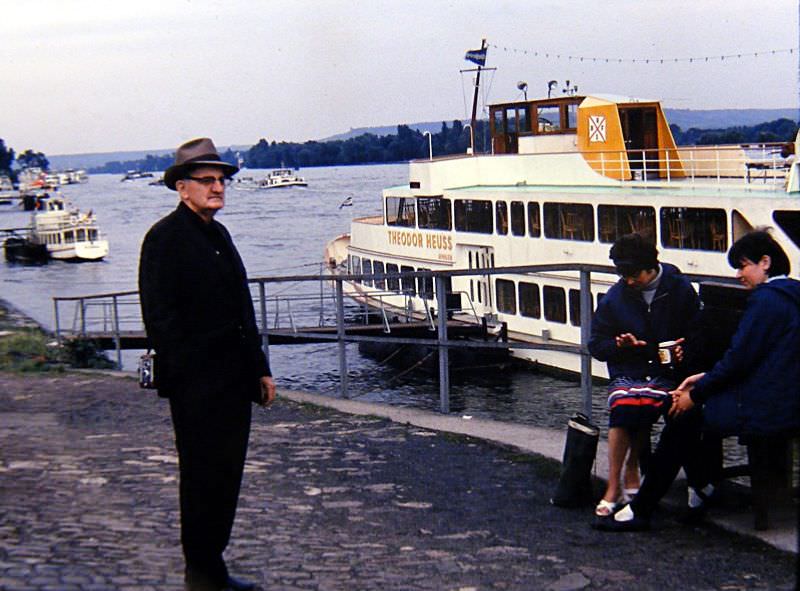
x,y
88,501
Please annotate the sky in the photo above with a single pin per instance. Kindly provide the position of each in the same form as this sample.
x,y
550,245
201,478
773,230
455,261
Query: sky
x,y
82,76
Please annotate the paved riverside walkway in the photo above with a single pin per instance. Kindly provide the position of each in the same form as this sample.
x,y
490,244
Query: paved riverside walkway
x,y
330,501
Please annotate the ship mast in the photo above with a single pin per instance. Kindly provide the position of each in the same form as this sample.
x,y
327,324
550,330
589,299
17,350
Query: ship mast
x,y
475,103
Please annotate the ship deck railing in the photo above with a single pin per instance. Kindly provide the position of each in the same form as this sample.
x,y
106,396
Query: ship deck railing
x,y
318,308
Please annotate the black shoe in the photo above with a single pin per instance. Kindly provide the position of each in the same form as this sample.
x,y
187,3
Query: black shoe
x,y
608,523
238,585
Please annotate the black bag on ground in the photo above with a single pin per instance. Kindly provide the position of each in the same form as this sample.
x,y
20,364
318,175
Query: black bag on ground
x,y
575,485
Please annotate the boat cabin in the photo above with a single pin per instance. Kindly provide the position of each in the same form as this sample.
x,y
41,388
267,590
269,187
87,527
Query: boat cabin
x,y
621,138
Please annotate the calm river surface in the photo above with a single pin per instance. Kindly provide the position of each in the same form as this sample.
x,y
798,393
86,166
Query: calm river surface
x,y
282,232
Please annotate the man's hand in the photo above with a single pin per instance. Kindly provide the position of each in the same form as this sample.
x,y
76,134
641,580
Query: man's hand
x,y
267,391
627,339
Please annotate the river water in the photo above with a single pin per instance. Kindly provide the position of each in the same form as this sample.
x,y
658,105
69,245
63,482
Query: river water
x,y
283,232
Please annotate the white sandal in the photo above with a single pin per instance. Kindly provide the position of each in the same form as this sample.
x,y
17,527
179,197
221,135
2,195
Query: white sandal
x,y
605,508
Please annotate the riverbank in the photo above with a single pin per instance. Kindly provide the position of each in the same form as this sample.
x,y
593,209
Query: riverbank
x,y
330,500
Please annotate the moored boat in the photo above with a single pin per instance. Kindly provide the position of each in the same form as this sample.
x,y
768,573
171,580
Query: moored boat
x,y
566,177
66,233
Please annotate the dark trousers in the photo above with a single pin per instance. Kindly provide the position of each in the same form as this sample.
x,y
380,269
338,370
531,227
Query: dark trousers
x,y
212,427
683,444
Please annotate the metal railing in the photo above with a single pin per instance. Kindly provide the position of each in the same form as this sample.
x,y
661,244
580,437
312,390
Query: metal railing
x,y
118,313
748,162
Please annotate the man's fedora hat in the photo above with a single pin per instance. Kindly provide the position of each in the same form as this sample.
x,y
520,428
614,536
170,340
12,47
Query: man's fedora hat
x,y
197,152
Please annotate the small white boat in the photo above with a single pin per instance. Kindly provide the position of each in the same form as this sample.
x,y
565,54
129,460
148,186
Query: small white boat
x,y
67,233
133,175
7,192
282,177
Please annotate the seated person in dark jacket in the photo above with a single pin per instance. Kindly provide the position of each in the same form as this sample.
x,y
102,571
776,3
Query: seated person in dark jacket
x,y
651,303
753,390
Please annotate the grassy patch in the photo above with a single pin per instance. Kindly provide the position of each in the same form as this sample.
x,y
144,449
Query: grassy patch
x,y
28,350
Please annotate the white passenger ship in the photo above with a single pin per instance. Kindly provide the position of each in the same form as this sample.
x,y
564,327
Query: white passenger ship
x,y
566,177
67,233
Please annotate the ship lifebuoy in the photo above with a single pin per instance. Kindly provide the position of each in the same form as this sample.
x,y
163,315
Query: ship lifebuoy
x,y
73,221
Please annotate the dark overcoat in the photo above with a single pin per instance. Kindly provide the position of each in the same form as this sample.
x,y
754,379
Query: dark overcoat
x,y
197,308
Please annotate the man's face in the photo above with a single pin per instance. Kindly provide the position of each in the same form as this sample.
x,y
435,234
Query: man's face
x,y
201,196
640,279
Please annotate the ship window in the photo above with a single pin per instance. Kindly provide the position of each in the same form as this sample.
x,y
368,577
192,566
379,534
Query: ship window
x,y
569,221
572,116
511,120
548,118
789,222
355,264
400,211
614,221
367,280
529,303
81,235
377,269
555,306
534,221
473,215
393,283
501,208
506,296
498,121
517,218
694,228
524,117
575,307
434,213
408,283
425,286
92,234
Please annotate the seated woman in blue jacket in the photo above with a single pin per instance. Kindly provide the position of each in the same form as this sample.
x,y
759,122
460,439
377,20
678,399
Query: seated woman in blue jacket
x,y
651,303
753,390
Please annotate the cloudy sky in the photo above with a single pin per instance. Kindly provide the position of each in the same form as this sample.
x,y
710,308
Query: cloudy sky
x,y
100,75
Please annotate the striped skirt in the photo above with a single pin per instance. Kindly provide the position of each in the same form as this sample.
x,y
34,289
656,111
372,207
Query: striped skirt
x,y
637,403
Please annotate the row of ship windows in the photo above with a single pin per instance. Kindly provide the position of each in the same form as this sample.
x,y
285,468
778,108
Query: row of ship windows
x,y
70,237
696,228
524,298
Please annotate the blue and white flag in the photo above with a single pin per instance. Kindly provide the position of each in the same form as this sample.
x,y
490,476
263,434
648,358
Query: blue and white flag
x,y
477,56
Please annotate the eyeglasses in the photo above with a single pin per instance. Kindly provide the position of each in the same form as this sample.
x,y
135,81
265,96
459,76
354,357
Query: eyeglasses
x,y
208,181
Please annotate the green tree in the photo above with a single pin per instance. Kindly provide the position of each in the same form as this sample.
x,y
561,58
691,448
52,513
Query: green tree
x,y
31,159
6,159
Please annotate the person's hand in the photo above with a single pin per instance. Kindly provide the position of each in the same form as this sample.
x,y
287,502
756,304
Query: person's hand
x,y
627,339
681,402
267,391
681,398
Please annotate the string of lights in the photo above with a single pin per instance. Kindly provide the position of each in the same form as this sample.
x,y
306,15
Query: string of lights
x,y
644,60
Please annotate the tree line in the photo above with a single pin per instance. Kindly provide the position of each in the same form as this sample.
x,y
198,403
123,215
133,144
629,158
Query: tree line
x,y
27,159
402,146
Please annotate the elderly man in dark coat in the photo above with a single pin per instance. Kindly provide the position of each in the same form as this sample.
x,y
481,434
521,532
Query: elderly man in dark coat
x,y
199,318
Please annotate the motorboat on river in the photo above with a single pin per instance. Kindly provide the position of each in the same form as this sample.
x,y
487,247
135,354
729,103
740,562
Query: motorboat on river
x,y
566,177
281,178
67,233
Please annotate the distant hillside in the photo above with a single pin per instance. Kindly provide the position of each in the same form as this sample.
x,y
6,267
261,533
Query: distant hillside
x,y
722,118
432,126
63,161
684,118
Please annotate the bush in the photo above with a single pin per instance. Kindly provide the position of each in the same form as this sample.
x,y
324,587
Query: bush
x,y
27,350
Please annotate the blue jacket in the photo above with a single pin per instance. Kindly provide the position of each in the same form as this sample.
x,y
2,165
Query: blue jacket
x,y
623,309
755,387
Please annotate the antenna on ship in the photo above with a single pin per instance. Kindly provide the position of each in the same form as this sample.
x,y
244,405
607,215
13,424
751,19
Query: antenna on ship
x,y
523,86
550,86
